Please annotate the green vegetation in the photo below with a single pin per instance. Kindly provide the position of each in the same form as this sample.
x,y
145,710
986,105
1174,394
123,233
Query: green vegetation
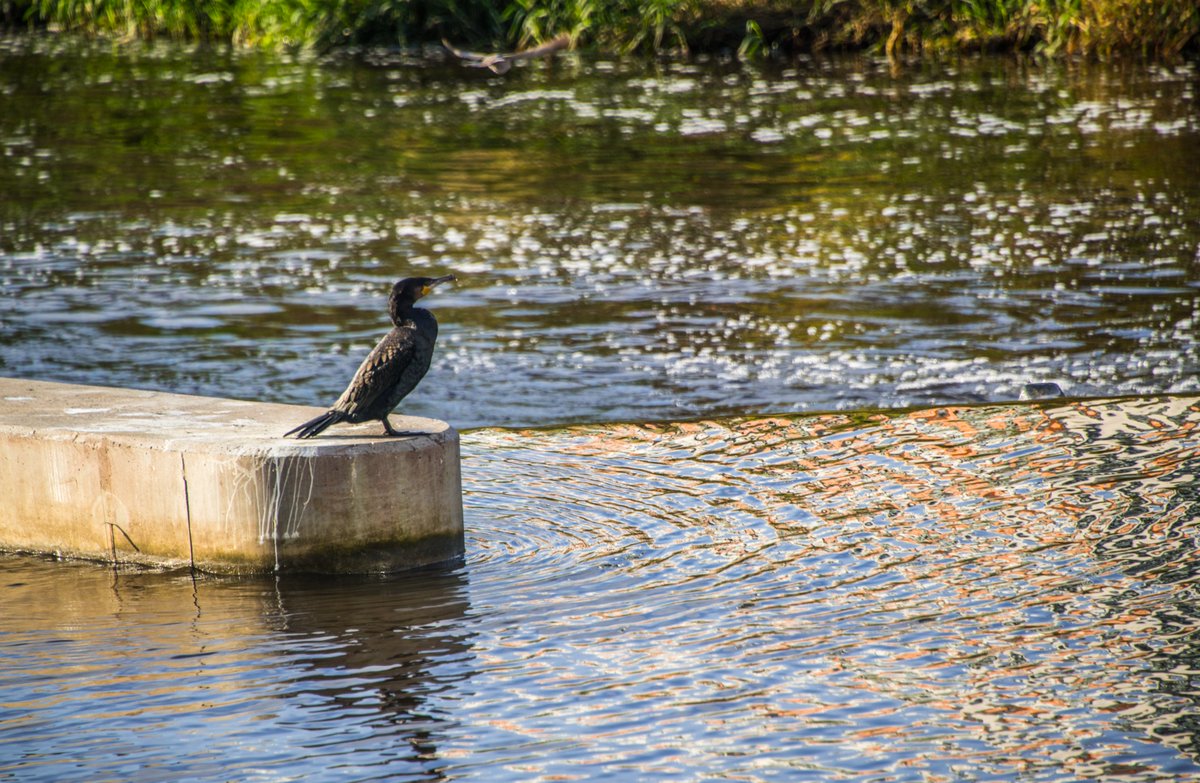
x,y
1097,27
264,23
1158,28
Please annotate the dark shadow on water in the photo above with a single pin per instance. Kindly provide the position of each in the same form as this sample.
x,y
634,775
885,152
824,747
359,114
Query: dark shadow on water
x,y
390,630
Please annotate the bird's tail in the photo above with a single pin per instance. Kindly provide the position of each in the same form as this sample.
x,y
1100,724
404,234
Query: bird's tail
x,y
318,425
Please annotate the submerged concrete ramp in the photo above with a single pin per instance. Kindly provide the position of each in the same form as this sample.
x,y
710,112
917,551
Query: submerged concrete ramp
x,y
177,480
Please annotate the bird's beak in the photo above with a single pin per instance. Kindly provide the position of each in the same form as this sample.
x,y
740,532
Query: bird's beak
x,y
436,281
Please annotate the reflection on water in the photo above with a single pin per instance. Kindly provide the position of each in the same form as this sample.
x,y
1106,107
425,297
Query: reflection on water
x,y
146,676
988,593
633,240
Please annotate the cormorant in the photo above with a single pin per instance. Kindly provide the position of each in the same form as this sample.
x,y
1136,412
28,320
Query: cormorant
x,y
393,368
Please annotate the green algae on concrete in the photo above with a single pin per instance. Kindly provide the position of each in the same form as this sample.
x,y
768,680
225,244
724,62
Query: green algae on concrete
x,y
178,480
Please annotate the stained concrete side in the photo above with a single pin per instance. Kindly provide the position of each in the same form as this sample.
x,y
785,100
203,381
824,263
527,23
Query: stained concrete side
x,y
172,479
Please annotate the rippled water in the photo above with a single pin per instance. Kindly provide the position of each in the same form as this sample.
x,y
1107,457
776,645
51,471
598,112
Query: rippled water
x,y
990,593
634,240
971,593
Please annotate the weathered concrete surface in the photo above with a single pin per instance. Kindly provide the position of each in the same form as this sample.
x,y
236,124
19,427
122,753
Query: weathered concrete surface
x,y
172,479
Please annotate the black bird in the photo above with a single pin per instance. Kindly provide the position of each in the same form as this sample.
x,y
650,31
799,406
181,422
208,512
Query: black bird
x,y
393,368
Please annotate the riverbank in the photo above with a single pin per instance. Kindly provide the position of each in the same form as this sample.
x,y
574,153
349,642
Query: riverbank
x,y
1096,28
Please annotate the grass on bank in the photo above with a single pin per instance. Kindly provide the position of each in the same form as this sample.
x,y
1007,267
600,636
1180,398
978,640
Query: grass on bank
x,y
1152,28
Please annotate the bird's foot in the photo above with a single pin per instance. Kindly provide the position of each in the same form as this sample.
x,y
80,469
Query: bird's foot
x,y
399,433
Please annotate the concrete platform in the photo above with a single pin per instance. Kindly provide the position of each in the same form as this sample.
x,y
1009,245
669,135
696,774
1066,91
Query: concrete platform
x,y
178,480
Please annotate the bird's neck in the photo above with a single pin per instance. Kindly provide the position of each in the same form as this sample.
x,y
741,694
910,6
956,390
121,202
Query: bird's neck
x,y
403,311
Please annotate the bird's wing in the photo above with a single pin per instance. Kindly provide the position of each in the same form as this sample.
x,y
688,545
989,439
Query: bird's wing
x,y
499,62
550,47
380,371
472,58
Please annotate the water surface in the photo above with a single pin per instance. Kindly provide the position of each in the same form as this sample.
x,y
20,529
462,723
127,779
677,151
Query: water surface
x,y
735,593
634,240
990,594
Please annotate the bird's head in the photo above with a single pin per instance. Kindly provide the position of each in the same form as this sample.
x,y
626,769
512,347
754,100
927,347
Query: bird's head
x,y
407,291
413,288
